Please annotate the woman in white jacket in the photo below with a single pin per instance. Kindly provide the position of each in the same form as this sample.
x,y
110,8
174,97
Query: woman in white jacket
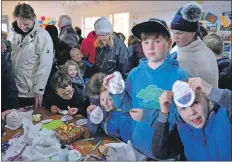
x,y
32,55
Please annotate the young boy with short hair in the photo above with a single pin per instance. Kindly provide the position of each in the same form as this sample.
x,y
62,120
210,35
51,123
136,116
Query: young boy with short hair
x,y
115,122
146,82
202,130
215,43
64,95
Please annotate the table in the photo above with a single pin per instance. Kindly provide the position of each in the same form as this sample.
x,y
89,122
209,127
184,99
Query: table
x,y
84,145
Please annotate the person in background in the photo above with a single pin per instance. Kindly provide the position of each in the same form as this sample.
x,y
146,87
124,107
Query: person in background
x,y
115,122
111,53
203,32
201,131
192,54
79,32
64,95
88,49
67,33
6,47
31,57
145,83
215,43
121,36
9,90
61,49
86,68
136,51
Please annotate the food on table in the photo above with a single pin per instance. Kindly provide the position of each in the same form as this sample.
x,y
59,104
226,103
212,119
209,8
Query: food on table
x,y
68,133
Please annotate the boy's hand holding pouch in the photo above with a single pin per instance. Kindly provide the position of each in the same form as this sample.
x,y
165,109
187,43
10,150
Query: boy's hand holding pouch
x,y
72,111
114,83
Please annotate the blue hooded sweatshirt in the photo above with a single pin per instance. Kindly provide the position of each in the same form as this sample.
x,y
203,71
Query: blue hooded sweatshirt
x,y
212,142
143,89
116,123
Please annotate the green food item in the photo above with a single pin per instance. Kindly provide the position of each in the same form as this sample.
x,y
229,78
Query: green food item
x,y
52,125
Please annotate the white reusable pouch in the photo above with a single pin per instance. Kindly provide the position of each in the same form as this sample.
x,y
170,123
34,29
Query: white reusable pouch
x,y
183,94
116,84
96,116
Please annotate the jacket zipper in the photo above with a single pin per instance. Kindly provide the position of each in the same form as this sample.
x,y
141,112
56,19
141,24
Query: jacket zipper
x,y
105,124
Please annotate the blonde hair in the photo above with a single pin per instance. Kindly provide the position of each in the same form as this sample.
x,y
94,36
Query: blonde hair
x,y
71,63
98,42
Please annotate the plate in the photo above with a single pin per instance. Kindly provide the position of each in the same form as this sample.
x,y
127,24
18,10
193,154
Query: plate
x,y
74,155
46,121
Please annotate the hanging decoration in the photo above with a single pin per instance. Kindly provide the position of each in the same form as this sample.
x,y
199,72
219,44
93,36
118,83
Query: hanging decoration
x,y
44,21
210,17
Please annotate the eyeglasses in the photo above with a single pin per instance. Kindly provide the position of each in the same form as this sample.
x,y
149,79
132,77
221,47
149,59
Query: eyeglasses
x,y
68,93
102,35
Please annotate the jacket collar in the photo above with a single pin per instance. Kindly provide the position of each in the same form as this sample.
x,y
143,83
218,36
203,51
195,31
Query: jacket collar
x,y
193,47
32,33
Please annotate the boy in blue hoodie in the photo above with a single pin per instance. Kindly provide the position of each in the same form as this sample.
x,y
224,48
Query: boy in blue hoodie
x,y
115,122
146,82
201,131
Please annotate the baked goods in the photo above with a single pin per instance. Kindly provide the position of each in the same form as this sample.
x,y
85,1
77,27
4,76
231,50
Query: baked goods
x,y
69,133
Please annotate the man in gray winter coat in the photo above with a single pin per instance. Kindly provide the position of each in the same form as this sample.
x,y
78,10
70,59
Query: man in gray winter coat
x,y
67,33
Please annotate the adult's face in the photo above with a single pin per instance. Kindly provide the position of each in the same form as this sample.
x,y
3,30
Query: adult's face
x,y
25,24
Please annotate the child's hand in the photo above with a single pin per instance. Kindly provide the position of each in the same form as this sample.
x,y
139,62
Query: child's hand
x,y
199,84
165,100
106,81
90,108
72,111
136,114
5,113
54,109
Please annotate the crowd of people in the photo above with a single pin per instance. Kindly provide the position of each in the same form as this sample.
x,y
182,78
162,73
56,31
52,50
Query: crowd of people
x,y
44,67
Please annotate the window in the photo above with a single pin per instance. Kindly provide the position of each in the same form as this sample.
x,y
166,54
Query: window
x,y
120,22
89,25
5,23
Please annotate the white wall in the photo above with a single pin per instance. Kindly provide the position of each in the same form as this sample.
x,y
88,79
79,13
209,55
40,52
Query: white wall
x,y
143,9
52,9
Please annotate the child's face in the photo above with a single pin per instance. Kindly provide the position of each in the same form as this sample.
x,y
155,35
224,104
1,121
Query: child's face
x,y
197,114
156,50
183,38
106,101
76,56
66,93
72,71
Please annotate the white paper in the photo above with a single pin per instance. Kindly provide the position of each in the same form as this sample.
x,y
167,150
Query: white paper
x,y
122,151
42,144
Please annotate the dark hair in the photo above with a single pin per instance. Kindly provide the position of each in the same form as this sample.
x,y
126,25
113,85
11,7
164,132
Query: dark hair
x,y
78,30
52,30
203,32
133,40
60,80
155,35
95,84
121,36
25,11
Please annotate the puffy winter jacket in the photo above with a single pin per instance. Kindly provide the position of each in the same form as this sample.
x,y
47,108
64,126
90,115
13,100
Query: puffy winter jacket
x,y
88,49
31,59
113,59
69,36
